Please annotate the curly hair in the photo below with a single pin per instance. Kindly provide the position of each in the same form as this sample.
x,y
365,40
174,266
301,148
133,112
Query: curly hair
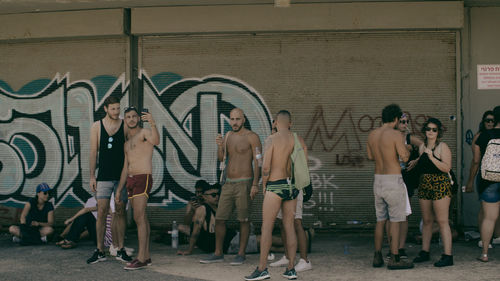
x,y
391,112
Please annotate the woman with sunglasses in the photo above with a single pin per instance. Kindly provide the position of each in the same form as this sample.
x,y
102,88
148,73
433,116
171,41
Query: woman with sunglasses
x,y
487,123
36,219
434,190
489,192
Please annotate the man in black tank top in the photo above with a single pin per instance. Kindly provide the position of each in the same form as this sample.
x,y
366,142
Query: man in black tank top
x,y
107,136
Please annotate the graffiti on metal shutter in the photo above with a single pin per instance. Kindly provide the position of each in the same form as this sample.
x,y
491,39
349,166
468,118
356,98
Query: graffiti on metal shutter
x,y
45,130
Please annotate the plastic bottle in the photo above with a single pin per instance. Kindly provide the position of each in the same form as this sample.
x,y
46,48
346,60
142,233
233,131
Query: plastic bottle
x,y
175,235
258,156
353,222
346,249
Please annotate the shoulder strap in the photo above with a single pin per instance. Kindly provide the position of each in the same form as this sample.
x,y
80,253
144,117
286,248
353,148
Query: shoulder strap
x,y
408,139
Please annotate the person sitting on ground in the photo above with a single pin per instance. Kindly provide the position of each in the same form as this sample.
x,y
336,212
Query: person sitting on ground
x,y
80,225
203,223
37,219
193,204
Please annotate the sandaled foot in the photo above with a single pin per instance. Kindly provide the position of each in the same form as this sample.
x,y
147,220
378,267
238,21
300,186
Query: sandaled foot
x,y
68,245
483,258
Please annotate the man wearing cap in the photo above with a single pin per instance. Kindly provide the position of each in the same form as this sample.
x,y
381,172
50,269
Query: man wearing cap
x,y
36,219
137,173
107,137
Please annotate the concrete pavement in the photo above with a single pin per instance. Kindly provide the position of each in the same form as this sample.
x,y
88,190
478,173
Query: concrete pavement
x,y
335,256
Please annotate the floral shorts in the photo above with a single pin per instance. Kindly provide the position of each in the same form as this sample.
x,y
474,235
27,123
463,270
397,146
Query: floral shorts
x,y
434,186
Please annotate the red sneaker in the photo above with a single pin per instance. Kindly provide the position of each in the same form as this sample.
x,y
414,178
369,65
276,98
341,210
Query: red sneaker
x,y
136,265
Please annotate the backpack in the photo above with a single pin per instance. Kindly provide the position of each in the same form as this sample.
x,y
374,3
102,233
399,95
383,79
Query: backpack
x,y
490,164
300,170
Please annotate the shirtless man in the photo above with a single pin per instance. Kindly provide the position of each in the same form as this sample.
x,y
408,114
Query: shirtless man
x,y
137,171
107,137
279,194
386,146
243,149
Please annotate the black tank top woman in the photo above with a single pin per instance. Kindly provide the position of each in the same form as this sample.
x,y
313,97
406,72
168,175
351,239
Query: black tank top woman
x,y
111,155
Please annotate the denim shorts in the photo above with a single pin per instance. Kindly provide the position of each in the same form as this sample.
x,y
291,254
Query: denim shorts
x,y
106,188
491,194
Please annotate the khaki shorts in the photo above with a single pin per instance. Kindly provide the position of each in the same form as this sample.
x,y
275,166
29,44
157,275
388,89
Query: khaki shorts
x,y
235,193
391,198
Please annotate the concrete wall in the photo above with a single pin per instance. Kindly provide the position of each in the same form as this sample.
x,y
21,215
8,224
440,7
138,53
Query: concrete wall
x,y
59,66
481,41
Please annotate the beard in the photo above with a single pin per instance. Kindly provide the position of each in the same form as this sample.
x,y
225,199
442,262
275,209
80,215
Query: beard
x,y
237,128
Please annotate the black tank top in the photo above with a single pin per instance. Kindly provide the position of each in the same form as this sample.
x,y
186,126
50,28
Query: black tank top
x,y
206,239
111,155
425,165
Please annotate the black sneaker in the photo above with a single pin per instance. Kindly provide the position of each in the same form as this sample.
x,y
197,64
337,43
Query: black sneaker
x,y
378,261
422,256
96,257
121,255
258,275
402,253
291,274
444,261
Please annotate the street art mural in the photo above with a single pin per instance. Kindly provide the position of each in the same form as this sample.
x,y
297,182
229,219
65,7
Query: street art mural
x,y
44,133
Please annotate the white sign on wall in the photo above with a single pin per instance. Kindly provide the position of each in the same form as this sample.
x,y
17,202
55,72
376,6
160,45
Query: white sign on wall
x,y
488,76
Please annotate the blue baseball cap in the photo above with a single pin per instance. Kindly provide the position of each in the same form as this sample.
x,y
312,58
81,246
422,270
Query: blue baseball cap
x,y
42,187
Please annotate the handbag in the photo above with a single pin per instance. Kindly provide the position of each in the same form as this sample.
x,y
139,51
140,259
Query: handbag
x,y
222,166
453,182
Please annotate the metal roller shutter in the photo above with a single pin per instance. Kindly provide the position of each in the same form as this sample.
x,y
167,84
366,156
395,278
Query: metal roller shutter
x,y
55,87
335,85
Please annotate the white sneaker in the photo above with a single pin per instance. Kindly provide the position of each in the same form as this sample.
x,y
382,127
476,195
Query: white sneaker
x,y
495,241
281,262
270,257
480,244
302,265
44,239
16,239
113,251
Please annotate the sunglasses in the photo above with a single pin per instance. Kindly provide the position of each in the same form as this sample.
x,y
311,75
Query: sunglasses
x,y
110,142
427,129
489,120
44,192
403,121
214,194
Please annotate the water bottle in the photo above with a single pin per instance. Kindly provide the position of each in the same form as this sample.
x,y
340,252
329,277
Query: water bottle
x,y
353,222
175,235
258,156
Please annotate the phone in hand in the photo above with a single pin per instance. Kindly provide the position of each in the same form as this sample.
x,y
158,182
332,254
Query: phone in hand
x,y
145,110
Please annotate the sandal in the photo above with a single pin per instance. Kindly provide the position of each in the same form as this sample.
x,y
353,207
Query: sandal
x,y
61,242
483,258
68,245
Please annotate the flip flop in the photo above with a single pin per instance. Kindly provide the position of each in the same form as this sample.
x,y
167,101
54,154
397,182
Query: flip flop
x,y
68,245
483,258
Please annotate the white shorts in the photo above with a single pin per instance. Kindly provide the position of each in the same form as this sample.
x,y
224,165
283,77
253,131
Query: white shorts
x,y
298,209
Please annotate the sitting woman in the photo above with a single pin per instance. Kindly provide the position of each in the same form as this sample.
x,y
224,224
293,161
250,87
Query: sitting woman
x,y
36,219
82,223
203,229
434,190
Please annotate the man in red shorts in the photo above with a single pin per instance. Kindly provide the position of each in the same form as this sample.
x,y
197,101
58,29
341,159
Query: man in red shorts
x,y
137,170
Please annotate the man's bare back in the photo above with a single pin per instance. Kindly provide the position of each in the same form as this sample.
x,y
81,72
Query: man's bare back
x,y
281,145
139,153
384,146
